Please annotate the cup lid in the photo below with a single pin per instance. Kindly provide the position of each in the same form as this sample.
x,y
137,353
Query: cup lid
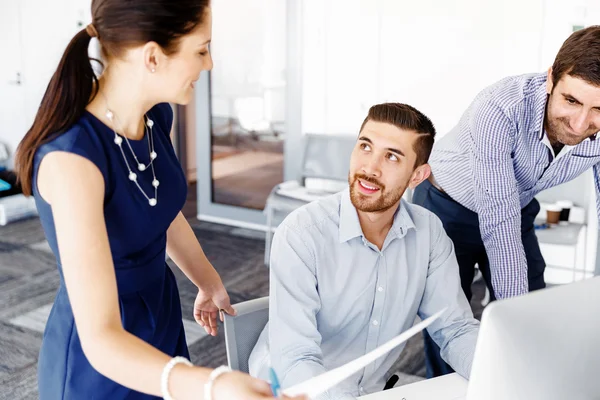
x,y
554,207
564,203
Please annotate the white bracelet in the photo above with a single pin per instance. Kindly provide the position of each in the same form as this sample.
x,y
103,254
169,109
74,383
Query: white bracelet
x,y
164,379
208,386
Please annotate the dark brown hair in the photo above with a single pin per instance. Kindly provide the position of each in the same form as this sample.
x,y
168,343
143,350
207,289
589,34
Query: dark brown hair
x,y
408,118
119,25
579,56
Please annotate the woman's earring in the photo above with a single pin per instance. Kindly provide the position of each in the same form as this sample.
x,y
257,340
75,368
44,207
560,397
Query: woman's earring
x,y
152,70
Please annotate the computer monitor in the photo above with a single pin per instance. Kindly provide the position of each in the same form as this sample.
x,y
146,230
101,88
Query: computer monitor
x,y
544,345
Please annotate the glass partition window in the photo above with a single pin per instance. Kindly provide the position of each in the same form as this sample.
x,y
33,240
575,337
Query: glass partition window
x,y
247,97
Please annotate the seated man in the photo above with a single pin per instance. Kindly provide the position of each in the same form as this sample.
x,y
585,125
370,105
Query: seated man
x,y
353,270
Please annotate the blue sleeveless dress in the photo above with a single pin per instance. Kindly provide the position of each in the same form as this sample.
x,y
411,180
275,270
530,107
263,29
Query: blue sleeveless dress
x,y
148,296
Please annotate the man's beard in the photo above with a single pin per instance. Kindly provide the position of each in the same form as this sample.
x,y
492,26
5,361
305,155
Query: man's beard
x,y
557,131
383,202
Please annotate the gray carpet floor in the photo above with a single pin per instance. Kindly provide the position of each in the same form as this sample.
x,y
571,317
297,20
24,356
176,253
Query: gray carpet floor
x,y
29,280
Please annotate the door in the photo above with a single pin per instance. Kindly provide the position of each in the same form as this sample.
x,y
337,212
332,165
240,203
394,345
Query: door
x,y
243,110
32,52
44,43
12,94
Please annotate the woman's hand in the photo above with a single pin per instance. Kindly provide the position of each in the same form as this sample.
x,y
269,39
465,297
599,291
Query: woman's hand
x,y
185,250
212,297
238,386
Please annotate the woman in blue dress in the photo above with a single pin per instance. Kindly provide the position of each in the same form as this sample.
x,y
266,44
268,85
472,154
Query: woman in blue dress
x,y
109,190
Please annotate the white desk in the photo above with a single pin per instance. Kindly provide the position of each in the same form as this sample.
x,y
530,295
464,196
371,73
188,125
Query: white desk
x,y
447,387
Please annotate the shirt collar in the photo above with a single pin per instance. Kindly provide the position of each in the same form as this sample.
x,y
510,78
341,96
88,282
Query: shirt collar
x,y
539,107
349,226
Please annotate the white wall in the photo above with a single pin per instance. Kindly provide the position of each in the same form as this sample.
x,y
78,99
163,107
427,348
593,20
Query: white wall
x,y
248,49
43,47
37,47
559,18
435,55
12,97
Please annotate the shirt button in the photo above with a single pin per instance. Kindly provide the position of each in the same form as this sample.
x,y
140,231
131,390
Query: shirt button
x,y
375,322
380,289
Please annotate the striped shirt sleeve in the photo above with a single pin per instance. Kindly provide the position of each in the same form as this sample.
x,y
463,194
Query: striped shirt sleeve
x,y
492,136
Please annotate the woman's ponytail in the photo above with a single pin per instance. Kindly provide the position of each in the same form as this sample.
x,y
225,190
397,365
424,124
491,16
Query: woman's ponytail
x,y
68,93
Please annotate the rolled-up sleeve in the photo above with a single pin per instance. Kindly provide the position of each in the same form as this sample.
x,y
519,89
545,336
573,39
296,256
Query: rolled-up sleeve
x,y
497,198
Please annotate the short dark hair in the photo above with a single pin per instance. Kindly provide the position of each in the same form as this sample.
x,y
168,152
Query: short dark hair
x,y
579,56
408,118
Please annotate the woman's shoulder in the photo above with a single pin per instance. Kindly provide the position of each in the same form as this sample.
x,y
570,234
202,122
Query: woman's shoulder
x,y
80,135
82,139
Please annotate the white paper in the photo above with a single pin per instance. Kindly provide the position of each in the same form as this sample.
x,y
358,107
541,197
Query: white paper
x,y
319,384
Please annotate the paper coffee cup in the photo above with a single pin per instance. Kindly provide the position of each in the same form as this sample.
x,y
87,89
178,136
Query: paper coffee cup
x,y
565,206
553,214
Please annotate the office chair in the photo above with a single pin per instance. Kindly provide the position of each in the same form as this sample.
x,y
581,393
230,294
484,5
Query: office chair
x,y
243,330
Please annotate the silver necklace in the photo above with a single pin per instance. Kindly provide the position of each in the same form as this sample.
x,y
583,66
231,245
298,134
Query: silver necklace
x,y
148,124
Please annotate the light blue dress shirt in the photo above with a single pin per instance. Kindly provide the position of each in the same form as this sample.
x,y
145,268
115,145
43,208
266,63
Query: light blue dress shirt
x,y
334,296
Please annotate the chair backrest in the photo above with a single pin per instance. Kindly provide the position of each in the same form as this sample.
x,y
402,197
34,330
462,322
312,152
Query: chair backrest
x,y
243,330
327,156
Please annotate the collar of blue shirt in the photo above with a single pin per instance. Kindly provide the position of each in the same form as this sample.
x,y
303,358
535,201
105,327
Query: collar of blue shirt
x,y
349,227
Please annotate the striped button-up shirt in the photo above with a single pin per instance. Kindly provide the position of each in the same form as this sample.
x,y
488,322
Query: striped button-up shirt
x,y
497,159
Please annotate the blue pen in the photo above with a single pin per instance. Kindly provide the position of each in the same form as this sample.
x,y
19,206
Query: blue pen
x,y
275,387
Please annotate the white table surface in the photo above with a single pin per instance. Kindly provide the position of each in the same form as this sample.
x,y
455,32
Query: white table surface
x,y
447,387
